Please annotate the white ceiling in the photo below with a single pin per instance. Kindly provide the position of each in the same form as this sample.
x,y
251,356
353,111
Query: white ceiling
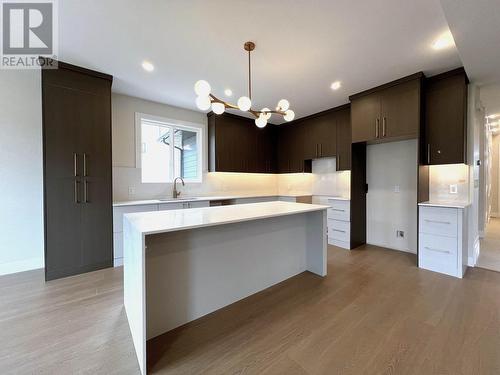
x,y
302,46
476,29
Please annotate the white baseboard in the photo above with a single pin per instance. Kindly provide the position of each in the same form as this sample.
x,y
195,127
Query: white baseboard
x,y
21,266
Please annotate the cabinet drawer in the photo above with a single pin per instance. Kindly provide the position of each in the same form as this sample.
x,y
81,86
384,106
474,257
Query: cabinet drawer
x,y
339,230
439,254
339,210
439,221
118,213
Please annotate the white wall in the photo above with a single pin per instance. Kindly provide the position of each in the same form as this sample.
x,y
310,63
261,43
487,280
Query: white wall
x,y
390,165
21,179
126,176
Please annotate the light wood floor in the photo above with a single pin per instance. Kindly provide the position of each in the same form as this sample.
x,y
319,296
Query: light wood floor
x,y
489,257
375,313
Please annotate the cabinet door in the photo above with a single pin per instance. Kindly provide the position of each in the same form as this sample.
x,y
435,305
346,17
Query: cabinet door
x,y
400,110
445,120
97,211
327,135
63,193
344,140
365,118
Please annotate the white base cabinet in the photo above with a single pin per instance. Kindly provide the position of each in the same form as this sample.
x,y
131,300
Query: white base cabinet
x,y
442,240
338,220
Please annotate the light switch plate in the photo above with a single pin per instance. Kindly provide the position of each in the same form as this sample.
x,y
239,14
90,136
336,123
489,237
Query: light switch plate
x,y
453,189
131,190
397,189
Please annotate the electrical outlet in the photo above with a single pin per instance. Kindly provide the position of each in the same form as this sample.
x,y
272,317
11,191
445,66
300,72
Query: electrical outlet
x,y
400,234
131,190
453,189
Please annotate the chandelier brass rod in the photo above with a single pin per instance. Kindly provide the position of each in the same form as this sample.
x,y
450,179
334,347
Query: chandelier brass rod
x,y
253,112
249,76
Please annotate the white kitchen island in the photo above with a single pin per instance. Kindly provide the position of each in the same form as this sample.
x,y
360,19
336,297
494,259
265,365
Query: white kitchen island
x,y
180,265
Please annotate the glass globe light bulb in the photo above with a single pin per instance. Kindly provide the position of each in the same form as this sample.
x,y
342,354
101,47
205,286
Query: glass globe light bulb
x,y
289,115
202,88
218,108
261,121
267,116
283,105
244,103
203,102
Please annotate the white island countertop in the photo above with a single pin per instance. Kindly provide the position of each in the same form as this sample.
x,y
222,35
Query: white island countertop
x,y
175,220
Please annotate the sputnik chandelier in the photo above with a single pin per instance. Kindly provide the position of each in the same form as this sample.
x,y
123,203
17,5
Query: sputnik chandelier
x,y
206,99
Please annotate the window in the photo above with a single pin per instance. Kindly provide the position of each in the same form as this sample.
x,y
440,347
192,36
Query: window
x,y
167,149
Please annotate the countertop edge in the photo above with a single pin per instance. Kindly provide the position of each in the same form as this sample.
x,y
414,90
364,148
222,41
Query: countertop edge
x,y
309,208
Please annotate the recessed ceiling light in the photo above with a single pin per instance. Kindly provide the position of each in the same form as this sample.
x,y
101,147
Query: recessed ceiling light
x,y
445,40
336,85
228,92
147,66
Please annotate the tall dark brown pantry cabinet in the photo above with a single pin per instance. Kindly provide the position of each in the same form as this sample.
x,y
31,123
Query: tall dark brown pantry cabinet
x,y
76,106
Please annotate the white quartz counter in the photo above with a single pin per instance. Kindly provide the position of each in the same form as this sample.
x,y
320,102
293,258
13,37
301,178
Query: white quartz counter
x,y
201,199
445,204
174,220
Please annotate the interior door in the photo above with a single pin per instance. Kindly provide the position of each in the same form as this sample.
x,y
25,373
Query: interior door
x,y
365,118
400,110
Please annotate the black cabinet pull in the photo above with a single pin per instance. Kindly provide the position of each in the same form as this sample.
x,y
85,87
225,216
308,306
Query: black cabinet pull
x,y
428,153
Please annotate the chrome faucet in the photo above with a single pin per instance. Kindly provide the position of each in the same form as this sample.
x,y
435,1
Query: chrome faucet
x,y
176,193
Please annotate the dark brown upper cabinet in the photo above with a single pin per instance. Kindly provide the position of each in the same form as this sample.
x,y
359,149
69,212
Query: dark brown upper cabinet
x,y
344,142
291,148
389,112
445,134
235,144
320,135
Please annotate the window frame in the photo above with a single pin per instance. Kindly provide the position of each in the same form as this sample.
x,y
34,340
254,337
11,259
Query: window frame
x,y
172,124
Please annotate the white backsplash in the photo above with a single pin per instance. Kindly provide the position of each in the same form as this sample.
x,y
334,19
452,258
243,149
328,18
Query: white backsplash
x,y
213,184
442,176
324,180
327,181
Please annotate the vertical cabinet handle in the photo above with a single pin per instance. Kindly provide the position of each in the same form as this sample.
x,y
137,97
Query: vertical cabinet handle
x,y
75,191
75,164
428,153
384,126
321,150
377,128
85,191
84,164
